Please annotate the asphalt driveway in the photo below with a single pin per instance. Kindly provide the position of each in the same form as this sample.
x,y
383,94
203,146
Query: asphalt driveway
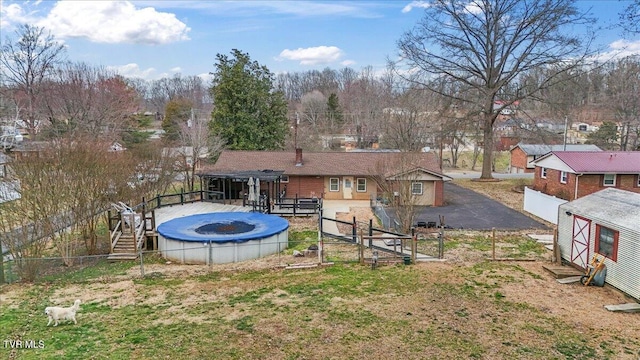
x,y
468,209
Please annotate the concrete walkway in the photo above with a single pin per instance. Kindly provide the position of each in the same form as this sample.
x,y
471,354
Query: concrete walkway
x,y
331,207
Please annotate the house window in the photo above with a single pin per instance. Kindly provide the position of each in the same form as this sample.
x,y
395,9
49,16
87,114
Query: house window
x,y
563,177
607,242
361,185
638,180
582,127
334,184
2,171
416,188
543,172
609,180
284,178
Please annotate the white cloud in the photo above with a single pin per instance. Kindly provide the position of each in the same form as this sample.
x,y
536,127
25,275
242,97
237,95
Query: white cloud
x,y
11,14
114,22
620,49
248,8
206,77
312,55
416,4
176,69
348,63
474,7
133,70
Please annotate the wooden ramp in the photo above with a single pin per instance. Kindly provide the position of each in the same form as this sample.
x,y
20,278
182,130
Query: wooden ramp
x,y
560,272
629,307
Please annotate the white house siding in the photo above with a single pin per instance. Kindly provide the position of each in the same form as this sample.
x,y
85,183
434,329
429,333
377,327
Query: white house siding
x,y
542,205
553,162
623,273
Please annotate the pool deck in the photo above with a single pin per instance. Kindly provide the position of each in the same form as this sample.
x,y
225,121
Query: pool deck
x,y
165,214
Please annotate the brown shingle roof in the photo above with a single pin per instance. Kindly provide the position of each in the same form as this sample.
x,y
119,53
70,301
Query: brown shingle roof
x,y
324,163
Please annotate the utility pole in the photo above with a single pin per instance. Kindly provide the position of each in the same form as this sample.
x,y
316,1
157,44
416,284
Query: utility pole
x,y
564,141
295,131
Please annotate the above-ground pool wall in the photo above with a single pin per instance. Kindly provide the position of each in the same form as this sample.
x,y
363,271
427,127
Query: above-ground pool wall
x,y
191,252
622,273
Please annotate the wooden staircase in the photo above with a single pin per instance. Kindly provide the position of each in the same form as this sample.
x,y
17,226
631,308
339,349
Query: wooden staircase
x,y
126,241
124,249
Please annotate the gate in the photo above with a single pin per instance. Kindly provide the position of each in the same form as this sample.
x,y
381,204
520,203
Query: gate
x,y
580,241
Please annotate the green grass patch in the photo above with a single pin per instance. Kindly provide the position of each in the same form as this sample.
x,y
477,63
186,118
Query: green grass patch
x,y
101,269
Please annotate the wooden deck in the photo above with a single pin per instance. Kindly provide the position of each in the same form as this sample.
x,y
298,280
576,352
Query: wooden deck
x,y
560,271
167,213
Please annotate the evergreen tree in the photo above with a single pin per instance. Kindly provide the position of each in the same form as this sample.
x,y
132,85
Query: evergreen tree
x,y
334,114
177,112
248,113
606,137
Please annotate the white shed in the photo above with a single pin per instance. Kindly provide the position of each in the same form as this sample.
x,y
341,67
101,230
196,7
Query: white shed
x,y
608,223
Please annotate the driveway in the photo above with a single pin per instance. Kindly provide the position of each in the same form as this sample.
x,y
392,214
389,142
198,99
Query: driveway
x,y
468,209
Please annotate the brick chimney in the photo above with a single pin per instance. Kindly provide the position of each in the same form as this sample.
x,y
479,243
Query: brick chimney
x,y
298,157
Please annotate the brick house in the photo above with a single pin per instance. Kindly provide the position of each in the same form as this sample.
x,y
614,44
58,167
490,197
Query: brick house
x,y
570,175
523,155
330,175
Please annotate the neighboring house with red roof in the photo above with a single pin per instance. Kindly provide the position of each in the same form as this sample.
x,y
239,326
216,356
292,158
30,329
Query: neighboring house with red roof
x,y
562,176
328,175
572,174
523,155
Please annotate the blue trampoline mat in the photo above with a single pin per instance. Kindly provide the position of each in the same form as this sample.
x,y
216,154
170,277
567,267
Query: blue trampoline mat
x,y
223,227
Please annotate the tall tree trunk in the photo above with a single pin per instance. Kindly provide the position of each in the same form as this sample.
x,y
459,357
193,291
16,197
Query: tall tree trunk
x,y
488,146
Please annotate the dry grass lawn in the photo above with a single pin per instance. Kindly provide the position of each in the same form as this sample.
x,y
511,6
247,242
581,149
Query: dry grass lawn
x,y
466,307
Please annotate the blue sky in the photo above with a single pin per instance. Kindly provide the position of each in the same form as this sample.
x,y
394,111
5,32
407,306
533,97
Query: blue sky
x,y
154,39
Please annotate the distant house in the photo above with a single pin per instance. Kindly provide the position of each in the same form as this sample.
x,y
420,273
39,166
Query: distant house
x,y
604,223
9,188
523,155
327,175
568,175
573,174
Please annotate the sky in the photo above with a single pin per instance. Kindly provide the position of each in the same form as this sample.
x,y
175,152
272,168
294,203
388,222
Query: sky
x,y
155,39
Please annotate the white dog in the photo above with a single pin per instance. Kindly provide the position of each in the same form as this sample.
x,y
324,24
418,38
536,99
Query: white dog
x,y
57,313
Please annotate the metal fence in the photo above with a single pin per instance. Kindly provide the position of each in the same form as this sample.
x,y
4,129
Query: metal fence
x,y
379,211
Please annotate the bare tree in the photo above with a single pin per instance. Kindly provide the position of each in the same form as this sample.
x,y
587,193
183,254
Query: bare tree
x,y
623,90
197,143
90,99
488,45
396,177
313,108
27,63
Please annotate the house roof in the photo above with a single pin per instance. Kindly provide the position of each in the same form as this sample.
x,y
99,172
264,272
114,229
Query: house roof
x,y
613,205
597,162
541,149
325,163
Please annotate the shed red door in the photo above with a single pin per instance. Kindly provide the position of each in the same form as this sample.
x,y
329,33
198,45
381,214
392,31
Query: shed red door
x,y
580,241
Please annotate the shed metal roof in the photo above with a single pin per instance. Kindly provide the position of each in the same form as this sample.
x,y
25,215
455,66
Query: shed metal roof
x,y
617,206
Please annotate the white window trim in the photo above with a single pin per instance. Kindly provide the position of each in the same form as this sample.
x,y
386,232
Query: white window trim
x,y
337,183
283,177
543,172
604,180
421,188
358,184
564,175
